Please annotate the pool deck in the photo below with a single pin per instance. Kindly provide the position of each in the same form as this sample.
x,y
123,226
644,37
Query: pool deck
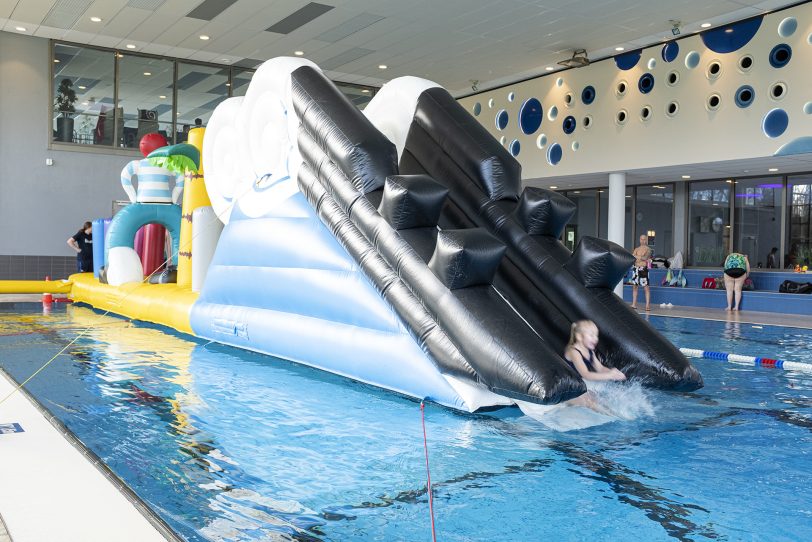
x,y
55,489
743,317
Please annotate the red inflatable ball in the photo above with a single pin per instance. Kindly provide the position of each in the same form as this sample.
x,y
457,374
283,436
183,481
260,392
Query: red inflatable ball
x,y
152,141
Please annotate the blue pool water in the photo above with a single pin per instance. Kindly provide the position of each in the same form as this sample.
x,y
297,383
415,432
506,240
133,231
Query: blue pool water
x,y
234,446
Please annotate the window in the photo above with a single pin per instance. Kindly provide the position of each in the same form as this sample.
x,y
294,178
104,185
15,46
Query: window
x,y
239,81
83,91
144,99
799,221
757,219
357,94
654,217
708,222
584,221
200,89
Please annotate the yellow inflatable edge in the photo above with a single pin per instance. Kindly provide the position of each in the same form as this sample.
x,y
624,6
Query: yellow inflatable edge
x,y
164,304
35,286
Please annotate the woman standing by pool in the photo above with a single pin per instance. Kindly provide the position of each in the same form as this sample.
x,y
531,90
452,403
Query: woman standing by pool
x,y
737,267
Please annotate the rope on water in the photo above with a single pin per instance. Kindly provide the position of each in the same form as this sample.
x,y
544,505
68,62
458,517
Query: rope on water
x,y
428,473
748,360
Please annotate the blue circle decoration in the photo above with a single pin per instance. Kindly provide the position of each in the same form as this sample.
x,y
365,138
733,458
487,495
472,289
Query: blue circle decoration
x,y
780,55
554,153
788,27
731,37
745,96
515,147
775,123
477,109
530,115
629,60
800,145
670,51
646,83
569,125
692,60
588,94
502,119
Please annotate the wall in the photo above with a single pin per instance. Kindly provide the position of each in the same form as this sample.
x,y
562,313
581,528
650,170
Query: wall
x,y
696,133
43,205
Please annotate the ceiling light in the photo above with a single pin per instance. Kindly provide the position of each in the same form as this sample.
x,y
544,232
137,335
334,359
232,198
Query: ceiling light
x,y
147,73
130,46
773,169
162,97
729,181
620,48
228,84
553,187
705,25
382,66
365,90
204,37
56,61
549,68
576,192
20,29
686,176
82,87
628,196
298,53
84,103
728,30
119,55
96,19
578,60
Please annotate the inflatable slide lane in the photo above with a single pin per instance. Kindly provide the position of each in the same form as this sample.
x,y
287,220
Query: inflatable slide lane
x,y
409,277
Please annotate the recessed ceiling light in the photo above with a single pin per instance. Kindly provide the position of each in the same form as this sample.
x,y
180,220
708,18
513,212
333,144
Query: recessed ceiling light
x,y
84,103
728,30
20,29
773,169
162,97
549,68
628,196
82,87
96,19
730,181
576,191
365,91
298,53
553,187
705,25
686,176
119,55
228,84
382,66
147,73
56,61
130,46
204,37
620,48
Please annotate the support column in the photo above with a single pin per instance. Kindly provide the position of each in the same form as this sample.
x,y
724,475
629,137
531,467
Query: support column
x,y
617,214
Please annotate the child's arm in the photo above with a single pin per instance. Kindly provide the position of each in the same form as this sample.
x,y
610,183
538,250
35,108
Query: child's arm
x,y
603,373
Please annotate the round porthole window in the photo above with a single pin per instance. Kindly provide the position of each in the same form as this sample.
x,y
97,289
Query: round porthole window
x,y
645,113
714,70
713,102
780,55
646,83
569,99
588,94
672,109
745,63
587,122
568,125
745,96
672,78
778,91
621,117
620,89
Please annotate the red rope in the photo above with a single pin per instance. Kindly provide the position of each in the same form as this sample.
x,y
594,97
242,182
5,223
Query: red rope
x,y
428,472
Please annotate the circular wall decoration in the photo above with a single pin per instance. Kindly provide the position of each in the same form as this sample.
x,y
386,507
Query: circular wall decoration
x,y
490,103
778,90
621,117
672,109
670,51
692,60
780,55
587,122
621,88
502,119
541,141
714,70
645,113
808,108
629,60
531,113
672,78
775,123
588,94
568,99
554,153
503,140
552,114
477,109
745,96
646,83
745,63
731,37
652,63
559,81
787,27
713,102
511,96
515,147
568,125
575,146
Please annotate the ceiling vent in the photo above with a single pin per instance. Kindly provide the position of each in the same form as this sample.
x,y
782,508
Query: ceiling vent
x,y
578,60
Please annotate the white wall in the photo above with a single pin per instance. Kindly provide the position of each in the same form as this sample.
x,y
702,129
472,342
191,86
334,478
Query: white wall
x,y
43,205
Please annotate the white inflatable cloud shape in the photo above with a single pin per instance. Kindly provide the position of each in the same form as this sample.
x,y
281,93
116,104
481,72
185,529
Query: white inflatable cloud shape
x,y
250,155
392,109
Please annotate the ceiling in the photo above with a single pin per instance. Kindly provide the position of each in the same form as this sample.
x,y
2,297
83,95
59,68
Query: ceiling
x,y
452,42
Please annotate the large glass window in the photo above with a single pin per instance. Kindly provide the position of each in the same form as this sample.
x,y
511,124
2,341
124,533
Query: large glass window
x,y
144,98
584,221
708,222
654,217
799,221
200,89
603,203
83,92
239,81
757,220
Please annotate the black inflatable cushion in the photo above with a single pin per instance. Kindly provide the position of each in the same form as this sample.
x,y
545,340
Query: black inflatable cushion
x,y
412,201
543,212
465,258
598,263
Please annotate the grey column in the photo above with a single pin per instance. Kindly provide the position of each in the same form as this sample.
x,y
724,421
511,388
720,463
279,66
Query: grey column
x,y
617,213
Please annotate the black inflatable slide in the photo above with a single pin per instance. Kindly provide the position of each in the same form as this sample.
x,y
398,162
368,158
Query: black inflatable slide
x,y
474,268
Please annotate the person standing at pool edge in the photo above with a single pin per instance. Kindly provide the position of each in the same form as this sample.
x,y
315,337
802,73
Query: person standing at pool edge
x,y
736,269
82,243
642,257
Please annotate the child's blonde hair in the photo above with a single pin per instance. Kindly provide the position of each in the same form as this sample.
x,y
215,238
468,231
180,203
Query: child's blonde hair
x,y
579,327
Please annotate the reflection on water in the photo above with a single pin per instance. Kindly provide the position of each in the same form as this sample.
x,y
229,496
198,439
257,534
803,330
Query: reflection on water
x,y
235,446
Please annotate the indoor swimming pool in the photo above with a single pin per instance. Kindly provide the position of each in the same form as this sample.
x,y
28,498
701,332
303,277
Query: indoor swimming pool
x,y
229,445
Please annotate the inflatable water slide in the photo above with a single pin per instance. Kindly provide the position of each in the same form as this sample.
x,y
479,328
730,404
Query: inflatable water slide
x,y
396,247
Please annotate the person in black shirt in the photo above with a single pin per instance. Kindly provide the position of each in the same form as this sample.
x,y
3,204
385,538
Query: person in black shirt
x,y
82,243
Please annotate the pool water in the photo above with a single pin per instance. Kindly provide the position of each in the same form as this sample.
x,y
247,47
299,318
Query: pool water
x,y
231,445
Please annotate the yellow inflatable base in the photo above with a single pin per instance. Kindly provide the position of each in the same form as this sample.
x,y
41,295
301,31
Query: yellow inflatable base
x,y
165,304
36,286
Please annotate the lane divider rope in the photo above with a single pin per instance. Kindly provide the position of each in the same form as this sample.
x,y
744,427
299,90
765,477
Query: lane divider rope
x,y
428,472
748,360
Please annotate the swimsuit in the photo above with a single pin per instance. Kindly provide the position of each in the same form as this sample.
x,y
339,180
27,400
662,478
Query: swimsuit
x,y
735,265
587,362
